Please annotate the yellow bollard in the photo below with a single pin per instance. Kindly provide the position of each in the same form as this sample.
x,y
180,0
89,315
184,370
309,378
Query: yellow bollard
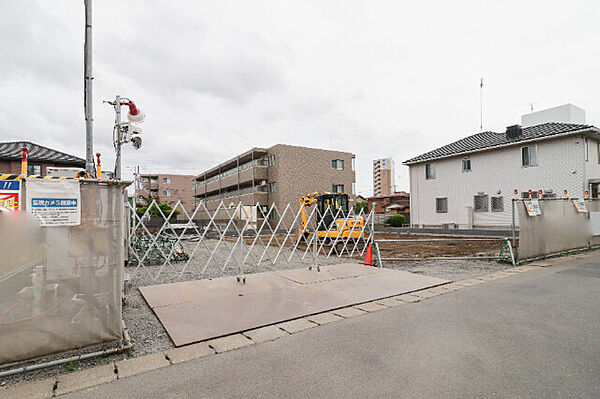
x,y
24,161
98,167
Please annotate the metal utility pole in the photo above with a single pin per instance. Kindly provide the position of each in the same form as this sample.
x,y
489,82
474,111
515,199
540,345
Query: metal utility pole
x,y
481,105
87,91
117,136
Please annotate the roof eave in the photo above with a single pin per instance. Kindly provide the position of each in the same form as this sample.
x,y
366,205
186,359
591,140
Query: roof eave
x,y
572,132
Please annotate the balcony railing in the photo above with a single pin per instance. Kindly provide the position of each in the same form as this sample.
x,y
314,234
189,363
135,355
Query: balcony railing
x,y
237,193
244,166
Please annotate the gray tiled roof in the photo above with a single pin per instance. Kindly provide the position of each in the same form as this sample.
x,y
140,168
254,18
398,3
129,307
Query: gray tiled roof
x,y
484,140
12,151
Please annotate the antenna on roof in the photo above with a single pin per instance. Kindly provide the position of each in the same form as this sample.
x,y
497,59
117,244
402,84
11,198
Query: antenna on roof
x,y
481,105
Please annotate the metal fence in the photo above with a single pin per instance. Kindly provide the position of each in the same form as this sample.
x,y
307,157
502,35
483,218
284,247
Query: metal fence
x,y
240,239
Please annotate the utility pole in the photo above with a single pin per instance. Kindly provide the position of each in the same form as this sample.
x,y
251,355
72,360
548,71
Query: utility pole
x,y
481,105
87,91
117,136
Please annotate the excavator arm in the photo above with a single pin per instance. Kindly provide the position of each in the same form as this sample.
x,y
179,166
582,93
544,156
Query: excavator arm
x,y
306,201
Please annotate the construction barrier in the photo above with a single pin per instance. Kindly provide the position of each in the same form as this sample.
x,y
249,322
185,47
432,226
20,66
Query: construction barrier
x,y
550,226
61,267
210,241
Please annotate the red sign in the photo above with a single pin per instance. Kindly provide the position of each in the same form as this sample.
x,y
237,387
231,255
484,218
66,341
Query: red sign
x,y
9,201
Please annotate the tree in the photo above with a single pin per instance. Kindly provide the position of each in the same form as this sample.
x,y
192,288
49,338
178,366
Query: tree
x,y
361,205
154,212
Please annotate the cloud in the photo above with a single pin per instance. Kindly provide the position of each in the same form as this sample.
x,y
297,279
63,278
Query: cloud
x,y
217,78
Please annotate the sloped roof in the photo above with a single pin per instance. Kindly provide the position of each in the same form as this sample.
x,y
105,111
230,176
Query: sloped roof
x,y
399,195
485,140
396,205
12,151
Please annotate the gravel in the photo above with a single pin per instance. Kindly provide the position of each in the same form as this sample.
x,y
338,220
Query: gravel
x,y
450,269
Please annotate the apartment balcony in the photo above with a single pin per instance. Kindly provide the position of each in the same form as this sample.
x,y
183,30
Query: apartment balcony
x,y
200,189
212,186
229,181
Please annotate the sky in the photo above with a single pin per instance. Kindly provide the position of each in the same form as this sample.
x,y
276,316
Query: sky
x,y
215,78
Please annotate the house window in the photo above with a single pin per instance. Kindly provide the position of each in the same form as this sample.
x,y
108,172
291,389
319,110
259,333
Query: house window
x,y
480,203
466,165
337,164
441,205
353,164
337,188
34,169
353,188
497,204
525,195
271,160
598,146
166,193
528,155
167,180
430,171
548,195
586,149
272,187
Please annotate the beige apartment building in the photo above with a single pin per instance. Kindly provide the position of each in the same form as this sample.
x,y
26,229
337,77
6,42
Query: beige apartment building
x,y
169,188
383,177
277,175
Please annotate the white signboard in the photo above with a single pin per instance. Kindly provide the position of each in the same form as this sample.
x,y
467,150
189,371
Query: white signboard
x,y
579,205
533,207
54,202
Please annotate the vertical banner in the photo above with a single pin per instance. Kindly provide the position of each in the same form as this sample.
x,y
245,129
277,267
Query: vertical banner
x,y
54,202
10,191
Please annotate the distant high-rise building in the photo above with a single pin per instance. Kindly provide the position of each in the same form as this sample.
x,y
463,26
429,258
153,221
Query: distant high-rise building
x,y
383,177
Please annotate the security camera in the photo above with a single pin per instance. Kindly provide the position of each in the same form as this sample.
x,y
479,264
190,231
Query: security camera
x,y
134,129
136,141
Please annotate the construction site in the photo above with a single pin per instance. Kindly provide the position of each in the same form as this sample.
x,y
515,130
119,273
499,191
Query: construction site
x,y
255,239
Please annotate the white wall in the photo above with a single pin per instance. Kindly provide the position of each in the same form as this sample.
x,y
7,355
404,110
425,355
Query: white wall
x,y
567,113
560,166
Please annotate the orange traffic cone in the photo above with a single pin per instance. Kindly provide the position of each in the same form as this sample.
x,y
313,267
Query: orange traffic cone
x,y
369,257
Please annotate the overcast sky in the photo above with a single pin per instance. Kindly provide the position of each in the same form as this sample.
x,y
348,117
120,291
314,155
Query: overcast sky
x,y
215,78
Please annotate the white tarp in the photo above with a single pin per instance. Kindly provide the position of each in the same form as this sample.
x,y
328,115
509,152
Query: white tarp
x,y
54,202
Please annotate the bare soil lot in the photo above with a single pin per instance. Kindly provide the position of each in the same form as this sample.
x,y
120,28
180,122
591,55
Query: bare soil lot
x,y
454,246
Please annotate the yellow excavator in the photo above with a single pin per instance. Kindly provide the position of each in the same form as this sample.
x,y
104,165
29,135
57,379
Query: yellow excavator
x,y
328,206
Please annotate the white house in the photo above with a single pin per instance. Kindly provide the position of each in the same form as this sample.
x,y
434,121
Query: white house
x,y
471,182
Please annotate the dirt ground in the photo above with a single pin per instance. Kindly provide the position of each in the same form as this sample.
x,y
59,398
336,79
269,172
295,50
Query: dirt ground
x,y
455,246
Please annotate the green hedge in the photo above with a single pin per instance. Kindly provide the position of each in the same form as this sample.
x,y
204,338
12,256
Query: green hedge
x,y
397,220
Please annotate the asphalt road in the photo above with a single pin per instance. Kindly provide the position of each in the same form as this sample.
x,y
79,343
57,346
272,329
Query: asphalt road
x,y
533,335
